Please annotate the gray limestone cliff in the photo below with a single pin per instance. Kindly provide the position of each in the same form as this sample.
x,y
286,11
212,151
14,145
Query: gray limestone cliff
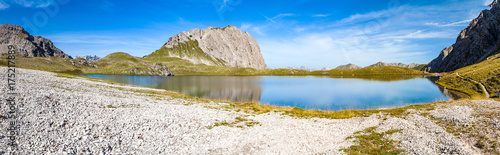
x,y
26,44
348,66
227,46
381,64
473,45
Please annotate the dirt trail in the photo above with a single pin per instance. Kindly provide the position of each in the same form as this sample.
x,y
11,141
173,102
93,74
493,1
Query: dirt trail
x,y
482,86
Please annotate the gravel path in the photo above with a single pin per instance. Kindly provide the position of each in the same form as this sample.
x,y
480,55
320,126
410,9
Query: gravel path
x,y
60,115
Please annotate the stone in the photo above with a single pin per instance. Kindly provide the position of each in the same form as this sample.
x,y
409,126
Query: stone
x,y
348,66
157,69
474,44
381,64
26,44
228,45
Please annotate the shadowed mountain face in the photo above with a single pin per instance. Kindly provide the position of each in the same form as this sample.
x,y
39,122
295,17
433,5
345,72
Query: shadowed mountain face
x,y
26,44
473,45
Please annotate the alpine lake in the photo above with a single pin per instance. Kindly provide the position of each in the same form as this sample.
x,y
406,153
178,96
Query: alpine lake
x,y
308,92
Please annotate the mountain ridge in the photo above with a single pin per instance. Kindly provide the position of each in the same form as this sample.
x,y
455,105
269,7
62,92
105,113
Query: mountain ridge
x,y
228,46
474,44
26,44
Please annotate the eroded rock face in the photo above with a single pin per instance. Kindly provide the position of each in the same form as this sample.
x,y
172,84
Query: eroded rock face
x,y
474,44
348,66
26,44
157,69
381,64
229,44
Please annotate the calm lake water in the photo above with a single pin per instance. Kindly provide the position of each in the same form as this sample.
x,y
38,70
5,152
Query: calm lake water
x,y
308,92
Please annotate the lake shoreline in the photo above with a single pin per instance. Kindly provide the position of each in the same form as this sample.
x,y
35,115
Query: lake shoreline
x,y
76,115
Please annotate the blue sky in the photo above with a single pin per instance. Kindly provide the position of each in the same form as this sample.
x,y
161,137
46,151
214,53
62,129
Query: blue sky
x,y
313,33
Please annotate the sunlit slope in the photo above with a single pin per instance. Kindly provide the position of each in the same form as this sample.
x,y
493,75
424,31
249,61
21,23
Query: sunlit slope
x,y
486,73
52,64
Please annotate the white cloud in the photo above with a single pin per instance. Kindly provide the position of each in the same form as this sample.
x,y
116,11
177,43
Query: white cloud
x,y
3,5
103,43
458,23
252,29
341,46
34,3
356,18
487,2
26,3
279,16
321,15
432,24
421,34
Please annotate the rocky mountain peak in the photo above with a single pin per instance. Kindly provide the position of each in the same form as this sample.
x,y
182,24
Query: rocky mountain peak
x,y
228,46
474,44
348,66
381,64
27,45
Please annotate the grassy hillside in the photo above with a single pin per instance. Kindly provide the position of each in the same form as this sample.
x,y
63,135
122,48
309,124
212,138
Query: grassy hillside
x,y
487,73
186,50
52,64
122,63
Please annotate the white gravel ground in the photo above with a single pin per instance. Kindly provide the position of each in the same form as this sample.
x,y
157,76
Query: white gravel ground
x,y
66,116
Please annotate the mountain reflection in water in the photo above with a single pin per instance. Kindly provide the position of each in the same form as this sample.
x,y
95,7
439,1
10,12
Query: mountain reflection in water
x,y
308,92
230,88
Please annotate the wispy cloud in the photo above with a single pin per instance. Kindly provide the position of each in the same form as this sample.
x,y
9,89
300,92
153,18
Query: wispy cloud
x,y
3,5
391,35
338,47
422,34
279,16
487,2
459,23
34,3
105,42
221,6
356,18
321,15
26,3
253,28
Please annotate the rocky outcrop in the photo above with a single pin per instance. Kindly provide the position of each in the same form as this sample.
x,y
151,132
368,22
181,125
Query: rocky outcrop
x,y
158,69
217,46
381,64
474,44
80,62
26,44
348,66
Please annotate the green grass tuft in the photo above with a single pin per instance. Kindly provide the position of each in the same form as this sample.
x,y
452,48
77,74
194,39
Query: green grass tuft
x,y
370,142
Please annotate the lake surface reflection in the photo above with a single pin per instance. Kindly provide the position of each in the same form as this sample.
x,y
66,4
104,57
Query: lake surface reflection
x,y
308,92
